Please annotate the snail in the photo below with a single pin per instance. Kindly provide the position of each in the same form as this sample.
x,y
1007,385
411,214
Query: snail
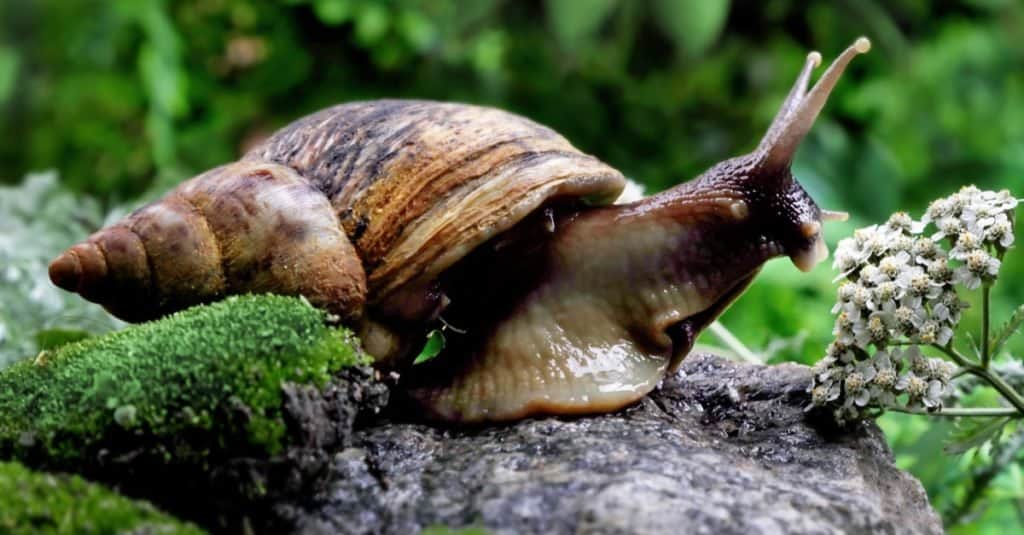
x,y
396,215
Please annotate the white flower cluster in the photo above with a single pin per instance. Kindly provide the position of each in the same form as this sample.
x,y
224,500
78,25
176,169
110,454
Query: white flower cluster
x,y
900,293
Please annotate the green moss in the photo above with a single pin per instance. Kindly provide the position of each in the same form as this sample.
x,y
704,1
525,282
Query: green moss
x,y
34,502
173,377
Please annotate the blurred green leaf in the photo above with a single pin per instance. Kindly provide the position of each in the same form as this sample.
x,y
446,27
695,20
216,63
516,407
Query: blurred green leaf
x,y
333,12
433,347
1003,333
164,82
372,22
9,61
418,30
575,22
488,52
972,433
692,24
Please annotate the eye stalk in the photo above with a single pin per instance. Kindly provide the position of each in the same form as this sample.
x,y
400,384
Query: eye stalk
x,y
832,215
801,107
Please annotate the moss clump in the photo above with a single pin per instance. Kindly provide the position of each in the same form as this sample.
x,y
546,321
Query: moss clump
x,y
34,502
181,376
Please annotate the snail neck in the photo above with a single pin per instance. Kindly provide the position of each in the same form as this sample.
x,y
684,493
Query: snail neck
x,y
668,264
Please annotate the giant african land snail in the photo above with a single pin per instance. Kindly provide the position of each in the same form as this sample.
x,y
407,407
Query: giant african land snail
x,y
391,213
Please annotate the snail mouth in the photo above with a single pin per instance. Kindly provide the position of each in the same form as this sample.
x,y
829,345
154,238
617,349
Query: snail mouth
x,y
685,332
805,259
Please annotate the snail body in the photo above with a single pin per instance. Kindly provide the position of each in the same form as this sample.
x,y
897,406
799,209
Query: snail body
x,y
398,215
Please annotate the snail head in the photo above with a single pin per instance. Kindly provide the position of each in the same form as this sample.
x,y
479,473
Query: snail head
x,y
787,212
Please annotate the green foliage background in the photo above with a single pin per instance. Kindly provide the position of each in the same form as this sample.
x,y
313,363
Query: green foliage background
x,y
125,98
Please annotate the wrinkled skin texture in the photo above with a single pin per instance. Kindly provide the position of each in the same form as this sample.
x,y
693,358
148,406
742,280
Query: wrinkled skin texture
x,y
400,216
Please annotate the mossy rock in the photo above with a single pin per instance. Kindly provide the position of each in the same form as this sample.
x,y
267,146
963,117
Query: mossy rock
x,y
34,502
221,404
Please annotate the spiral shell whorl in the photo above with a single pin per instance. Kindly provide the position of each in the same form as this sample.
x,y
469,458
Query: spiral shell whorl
x,y
419,184
242,227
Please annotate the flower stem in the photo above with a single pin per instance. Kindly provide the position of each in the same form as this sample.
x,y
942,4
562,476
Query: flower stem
x,y
962,411
1002,386
733,343
984,325
997,382
956,356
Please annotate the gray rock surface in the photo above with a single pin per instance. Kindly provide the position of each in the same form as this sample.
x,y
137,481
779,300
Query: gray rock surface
x,y
721,447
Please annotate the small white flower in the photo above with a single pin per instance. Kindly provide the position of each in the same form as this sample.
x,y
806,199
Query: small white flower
x,y
846,291
844,328
824,368
902,243
862,298
932,398
848,256
941,313
903,222
912,354
966,243
953,304
871,274
925,250
979,266
877,328
1000,233
939,271
887,291
938,369
908,319
914,386
892,265
855,385
948,227
840,352
915,282
885,375
864,235
861,333
938,209
823,394
932,332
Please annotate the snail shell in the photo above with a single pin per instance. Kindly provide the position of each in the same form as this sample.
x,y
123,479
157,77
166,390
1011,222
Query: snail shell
x,y
413,185
417,185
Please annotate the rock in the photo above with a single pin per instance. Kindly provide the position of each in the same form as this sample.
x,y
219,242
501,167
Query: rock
x,y
721,447
213,413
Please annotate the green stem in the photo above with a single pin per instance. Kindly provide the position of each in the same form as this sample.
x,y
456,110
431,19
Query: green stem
x,y
1002,386
984,325
955,412
733,343
956,356
997,382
